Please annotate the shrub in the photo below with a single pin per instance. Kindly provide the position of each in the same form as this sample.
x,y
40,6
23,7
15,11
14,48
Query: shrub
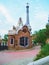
x,y
43,53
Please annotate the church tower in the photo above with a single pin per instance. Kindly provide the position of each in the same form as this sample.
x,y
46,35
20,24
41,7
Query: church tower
x,y
27,12
27,17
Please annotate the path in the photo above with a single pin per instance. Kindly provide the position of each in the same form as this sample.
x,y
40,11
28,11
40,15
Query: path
x,y
18,57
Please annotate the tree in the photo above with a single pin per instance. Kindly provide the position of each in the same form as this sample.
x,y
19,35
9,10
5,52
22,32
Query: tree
x,y
5,38
40,37
47,30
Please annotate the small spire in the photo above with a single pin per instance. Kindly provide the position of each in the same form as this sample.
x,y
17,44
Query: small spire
x,y
20,21
14,28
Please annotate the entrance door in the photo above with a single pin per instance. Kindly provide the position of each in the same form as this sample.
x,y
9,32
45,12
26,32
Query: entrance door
x,y
24,41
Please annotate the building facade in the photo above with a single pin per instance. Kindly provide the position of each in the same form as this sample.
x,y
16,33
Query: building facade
x,y
20,36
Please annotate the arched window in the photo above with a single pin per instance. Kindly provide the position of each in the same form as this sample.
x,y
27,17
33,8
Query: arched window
x,y
12,40
24,41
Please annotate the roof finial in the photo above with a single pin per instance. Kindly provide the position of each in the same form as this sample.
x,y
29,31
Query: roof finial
x,y
20,22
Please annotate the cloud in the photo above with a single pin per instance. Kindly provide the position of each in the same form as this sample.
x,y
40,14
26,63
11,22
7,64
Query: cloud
x,y
0,22
5,12
6,20
2,32
41,16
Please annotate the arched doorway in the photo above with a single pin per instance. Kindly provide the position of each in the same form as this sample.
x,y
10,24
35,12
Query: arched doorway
x,y
24,41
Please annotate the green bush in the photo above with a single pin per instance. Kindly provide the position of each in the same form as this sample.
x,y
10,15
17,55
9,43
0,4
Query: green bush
x,y
43,53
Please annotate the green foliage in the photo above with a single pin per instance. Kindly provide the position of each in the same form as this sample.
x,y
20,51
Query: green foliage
x,y
47,26
47,31
43,53
40,37
5,38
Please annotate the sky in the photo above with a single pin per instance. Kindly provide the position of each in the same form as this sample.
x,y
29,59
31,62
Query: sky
x,y
12,10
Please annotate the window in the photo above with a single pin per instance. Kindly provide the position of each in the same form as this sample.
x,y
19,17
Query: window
x,y
12,41
23,41
26,41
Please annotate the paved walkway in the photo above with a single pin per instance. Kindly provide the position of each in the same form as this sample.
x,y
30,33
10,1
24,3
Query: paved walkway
x,y
22,57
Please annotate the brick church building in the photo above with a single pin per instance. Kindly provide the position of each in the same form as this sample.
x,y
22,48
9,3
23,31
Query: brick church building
x,y
20,36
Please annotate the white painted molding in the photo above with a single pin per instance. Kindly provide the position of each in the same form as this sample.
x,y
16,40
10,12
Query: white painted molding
x,y
11,32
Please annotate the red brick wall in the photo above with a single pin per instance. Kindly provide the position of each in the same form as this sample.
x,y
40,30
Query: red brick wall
x,y
16,37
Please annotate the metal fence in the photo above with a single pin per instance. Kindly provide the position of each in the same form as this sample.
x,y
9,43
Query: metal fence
x,y
3,46
43,61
